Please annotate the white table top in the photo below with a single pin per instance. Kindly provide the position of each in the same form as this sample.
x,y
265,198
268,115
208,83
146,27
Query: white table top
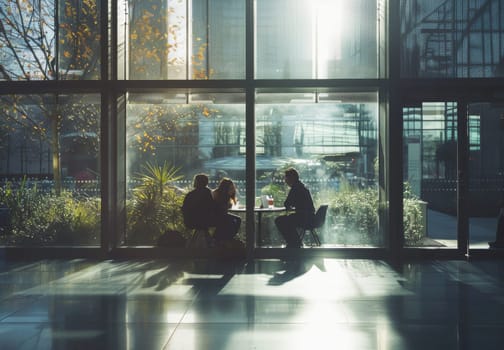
x,y
257,209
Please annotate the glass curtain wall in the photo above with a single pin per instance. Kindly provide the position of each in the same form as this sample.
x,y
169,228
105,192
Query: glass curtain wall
x,y
50,142
50,132
430,175
192,131
452,38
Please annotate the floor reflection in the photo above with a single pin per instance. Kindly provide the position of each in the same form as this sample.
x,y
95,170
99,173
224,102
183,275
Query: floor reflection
x,y
264,304
293,269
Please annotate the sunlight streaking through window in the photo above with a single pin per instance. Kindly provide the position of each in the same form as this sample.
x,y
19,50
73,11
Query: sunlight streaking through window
x,y
329,17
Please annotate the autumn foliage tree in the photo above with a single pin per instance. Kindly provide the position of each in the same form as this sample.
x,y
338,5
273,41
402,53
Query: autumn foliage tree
x,y
60,40
36,44
158,42
48,40
173,125
158,46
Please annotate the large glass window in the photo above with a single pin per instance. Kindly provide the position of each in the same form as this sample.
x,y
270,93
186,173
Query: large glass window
x,y
321,39
331,139
50,170
37,45
171,136
452,39
180,39
430,174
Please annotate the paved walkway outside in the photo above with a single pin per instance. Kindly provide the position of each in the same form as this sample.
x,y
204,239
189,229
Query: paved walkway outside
x,y
443,229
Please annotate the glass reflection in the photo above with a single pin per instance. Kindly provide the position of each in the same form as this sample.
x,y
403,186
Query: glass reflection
x,y
456,39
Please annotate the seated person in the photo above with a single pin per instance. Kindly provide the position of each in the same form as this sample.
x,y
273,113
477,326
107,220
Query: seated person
x,y
227,224
199,207
300,200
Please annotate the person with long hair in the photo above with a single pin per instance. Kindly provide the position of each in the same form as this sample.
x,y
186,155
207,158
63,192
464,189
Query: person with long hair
x,y
227,224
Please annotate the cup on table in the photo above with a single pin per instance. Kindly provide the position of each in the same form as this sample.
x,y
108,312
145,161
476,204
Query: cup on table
x,y
271,202
264,201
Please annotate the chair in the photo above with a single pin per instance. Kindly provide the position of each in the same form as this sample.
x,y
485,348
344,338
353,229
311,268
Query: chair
x,y
200,239
318,222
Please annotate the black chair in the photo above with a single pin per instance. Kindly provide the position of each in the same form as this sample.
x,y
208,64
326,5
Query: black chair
x,y
200,239
320,217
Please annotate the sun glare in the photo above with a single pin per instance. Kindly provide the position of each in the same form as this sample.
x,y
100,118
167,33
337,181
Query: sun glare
x,y
329,23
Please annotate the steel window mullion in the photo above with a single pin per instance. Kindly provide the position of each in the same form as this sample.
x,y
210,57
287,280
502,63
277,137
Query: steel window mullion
x,y
250,126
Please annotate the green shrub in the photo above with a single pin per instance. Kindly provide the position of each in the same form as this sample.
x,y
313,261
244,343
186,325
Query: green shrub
x,y
355,211
155,205
75,220
38,218
412,216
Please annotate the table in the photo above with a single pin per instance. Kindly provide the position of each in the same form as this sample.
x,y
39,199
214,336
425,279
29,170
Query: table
x,y
259,212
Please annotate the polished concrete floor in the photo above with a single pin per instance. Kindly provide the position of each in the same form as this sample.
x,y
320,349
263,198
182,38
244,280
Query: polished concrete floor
x,y
266,304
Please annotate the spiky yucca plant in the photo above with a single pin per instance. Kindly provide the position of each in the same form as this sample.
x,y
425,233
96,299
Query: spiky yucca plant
x,y
155,207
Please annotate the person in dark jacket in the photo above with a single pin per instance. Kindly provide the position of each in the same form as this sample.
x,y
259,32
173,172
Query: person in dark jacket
x,y
299,200
198,208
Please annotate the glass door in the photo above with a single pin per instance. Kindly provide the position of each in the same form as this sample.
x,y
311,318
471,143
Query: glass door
x,y
430,175
486,173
